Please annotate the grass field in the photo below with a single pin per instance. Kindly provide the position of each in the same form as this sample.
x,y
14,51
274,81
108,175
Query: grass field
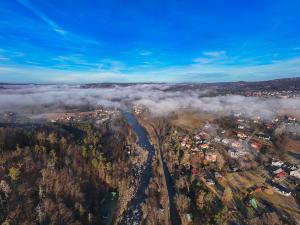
x,y
190,120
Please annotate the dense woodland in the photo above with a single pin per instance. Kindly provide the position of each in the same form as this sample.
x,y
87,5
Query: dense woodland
x,y
61,173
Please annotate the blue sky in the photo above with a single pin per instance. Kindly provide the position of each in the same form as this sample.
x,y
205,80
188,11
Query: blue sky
x,y
83,41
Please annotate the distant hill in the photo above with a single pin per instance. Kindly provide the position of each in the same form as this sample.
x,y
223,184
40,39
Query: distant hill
x,y
274,85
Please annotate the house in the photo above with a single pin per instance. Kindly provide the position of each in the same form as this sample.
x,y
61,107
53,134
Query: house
x,y
217,139
210,182
292,167
225,141
197,137
291,119
241,127
295,173
277,171
202,133
204,146
281,190
233,154
128,149
256,146
237,114
263,136
277,163
183,143
189,217
200,142
195,149
256,188
236,144
280,176
211,156
206,126
242,135
253,203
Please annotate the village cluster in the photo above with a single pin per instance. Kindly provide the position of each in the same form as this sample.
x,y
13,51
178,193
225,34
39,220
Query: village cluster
x,y
279,94
245,140
99,116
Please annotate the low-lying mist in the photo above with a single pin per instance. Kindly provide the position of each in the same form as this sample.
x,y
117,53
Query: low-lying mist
x,y
38,99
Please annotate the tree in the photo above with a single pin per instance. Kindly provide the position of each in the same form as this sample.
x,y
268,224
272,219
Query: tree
x,y
84,152
4,187
222,217
180,183
227,195
200,199
182,202
53,159
41,137
14,173
250,212
208,199
52,138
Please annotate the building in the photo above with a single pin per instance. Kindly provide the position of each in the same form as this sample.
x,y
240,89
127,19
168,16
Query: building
x,y
225,141
280,176
242,135
295,173
281,190
195,149
256,146
236,144
217,139
234,153
277,171
241,127
204,146
277,163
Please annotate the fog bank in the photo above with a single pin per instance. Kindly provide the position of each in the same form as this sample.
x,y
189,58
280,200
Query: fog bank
x,y
37,99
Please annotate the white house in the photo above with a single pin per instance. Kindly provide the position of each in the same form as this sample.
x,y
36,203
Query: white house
x,y
235,153
277,163
225,141
295,173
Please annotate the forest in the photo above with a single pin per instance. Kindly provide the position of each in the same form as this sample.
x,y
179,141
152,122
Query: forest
x,y
61,173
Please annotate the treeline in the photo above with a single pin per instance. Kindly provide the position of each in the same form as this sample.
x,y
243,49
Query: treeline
x,y
60,173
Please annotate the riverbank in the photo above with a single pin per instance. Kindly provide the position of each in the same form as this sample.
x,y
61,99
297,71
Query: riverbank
x,y
133,213
167,190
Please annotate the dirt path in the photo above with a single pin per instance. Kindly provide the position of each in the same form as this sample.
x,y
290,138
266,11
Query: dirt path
x,y
173,216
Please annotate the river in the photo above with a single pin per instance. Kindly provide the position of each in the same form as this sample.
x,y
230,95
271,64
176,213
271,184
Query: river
x,y
133,214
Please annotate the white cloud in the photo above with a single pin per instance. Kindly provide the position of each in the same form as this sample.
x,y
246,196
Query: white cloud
x,y
146,53
3,58
215,54
42,16
111,71
74,39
